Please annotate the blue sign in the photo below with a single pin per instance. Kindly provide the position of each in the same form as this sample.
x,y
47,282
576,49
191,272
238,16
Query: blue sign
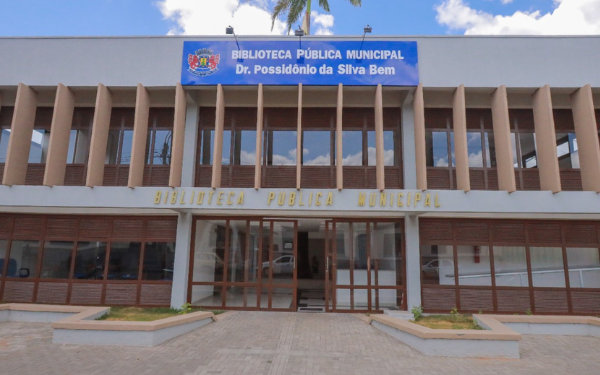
x,y
307,62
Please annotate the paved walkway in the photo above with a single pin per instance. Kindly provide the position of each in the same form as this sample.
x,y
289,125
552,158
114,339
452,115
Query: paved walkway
x,y
280,343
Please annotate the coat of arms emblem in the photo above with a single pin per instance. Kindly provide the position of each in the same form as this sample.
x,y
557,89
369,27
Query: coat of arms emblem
x,y
203,62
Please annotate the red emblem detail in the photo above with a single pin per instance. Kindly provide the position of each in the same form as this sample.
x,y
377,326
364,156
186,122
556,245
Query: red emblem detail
x,y
193,61
214,61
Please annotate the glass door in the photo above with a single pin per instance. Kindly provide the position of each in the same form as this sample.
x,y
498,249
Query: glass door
x,y
329,262
278,271
367,271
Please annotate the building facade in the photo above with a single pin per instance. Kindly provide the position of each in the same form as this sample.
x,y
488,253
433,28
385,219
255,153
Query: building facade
x,y
466,178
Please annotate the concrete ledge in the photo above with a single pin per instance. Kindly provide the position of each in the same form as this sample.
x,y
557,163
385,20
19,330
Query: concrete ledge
x,y
550,325
128,335
78,325
21,312
496,341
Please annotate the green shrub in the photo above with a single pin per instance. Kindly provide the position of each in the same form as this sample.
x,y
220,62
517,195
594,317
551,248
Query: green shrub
x,y
417,312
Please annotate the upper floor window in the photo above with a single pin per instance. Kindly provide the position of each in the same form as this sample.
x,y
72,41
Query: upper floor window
x,y
280,136
40,137
523,138
567,150
481,149
439,137
359,138
160,136
239,137
120,136
81,133
318,147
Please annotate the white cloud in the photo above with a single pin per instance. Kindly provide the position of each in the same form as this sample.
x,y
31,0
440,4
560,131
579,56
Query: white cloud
x,y
319,160
506,1
211,17
570,17
321,23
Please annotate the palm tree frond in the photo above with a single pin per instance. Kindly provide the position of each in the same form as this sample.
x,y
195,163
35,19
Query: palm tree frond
x,y
324,4
295,12
356,3
280,8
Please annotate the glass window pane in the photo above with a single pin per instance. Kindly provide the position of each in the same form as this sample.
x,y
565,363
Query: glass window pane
x,y
238,252
226,156
72,144
12,265
158,261
567,150
437,265
207,295
161,153
584,267
23,257
89,260
547,267
474,265
209,252
112,147
437,149
352,144
56,260
124,261
284,147
452,148
82,148
39,146
284,262
474,150
244,147
490,150
371,148
386,262
389,157
510,264
4,137
317,147
528,151
513,143
125,154
208,139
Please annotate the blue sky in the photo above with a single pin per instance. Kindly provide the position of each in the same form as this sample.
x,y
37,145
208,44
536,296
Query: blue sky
x,y
387,17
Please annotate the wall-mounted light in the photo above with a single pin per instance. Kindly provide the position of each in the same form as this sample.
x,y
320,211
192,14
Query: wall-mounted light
x,y
367,30
229,31
300,33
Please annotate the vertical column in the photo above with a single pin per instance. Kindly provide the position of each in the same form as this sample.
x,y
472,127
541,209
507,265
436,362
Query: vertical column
x,y
99,141
409,142
19,142
420,147
60,131
218,146
299,140
178,137
188,175
140,137
259,136
586,131
461,153
545,140
339,155
380,170
181,264
413,261
502,141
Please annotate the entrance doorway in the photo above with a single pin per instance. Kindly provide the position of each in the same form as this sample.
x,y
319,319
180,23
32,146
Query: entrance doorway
x,y
316,265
